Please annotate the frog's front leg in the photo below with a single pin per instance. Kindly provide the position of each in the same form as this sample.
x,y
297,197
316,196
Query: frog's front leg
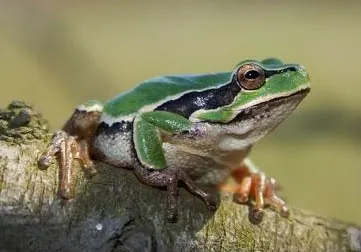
x,y
254,185
150,129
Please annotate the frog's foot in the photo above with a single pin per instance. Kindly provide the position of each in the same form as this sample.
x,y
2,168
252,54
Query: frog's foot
x,y
261,190
170,178
65,148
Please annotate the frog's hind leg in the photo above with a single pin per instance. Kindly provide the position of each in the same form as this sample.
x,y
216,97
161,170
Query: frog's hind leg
x,y
73,142
149,130
254,185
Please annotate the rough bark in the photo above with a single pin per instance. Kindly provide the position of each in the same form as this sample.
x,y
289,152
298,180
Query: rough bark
x,y
113,211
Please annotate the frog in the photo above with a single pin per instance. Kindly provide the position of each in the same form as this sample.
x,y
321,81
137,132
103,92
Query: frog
x,y
197,129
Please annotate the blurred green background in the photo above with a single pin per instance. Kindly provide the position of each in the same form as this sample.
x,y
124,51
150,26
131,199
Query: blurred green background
x,y
57,54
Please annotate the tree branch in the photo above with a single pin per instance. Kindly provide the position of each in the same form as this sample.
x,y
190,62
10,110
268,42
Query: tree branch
x,y
113,211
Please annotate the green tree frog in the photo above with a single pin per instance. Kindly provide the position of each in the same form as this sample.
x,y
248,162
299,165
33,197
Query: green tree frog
x,y
197,129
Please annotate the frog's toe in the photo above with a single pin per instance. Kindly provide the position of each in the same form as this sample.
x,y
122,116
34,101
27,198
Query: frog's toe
x,y
261,190
193,188
44,162
243,191
52,150
274,200
257,214
212,206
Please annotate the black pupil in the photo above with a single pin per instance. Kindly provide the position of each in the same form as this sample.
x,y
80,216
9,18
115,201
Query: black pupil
x,y
252,74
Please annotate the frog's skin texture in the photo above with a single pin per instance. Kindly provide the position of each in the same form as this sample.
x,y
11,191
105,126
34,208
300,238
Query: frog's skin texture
x,y
198,129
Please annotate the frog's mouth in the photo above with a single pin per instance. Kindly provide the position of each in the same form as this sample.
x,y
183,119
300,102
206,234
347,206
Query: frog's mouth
x,y
265,109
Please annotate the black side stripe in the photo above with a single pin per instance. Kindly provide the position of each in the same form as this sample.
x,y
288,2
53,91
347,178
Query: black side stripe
x,y
122,126
207,99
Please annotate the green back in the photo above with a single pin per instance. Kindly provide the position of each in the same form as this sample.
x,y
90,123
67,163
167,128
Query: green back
x,y
156,90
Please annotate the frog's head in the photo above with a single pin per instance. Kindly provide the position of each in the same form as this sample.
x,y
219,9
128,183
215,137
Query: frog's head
x,y
268,78
268,89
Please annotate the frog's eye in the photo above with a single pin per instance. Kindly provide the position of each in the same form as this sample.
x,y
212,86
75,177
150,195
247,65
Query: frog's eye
x,y
250,76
